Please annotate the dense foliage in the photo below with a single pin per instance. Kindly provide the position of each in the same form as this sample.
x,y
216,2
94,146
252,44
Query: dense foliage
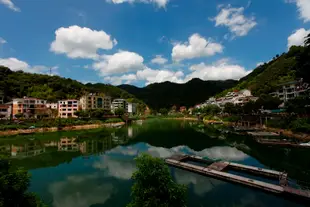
x,y
154,185
18,84
13,187
167,94
289,66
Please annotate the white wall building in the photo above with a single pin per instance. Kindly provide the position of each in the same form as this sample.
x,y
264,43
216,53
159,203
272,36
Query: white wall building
x,y
290,90
52,106
66,108
119,103
132,108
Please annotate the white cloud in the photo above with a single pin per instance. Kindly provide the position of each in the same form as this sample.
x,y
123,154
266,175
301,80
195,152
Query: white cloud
x,y
78,42
303,8
196,46
159,60
159,3
297,38
118,80
259,64
158,76
10,5
234,19
15,65
2,41
221,70
120,62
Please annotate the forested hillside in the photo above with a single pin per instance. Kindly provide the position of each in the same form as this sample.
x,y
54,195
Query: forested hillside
x,y
53,88
289,66
167,94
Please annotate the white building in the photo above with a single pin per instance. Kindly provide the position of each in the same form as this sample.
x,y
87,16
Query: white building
x,y
52,106
66,108
119,104
290,90
132,108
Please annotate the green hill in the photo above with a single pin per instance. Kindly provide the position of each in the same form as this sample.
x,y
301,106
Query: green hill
x,y
167,94
289,66
18,84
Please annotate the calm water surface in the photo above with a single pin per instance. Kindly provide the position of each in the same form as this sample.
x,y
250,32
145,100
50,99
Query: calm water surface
x,y
93,168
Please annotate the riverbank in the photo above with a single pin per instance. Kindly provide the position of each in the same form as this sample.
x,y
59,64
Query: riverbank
x,y
285,132
183,118
54,129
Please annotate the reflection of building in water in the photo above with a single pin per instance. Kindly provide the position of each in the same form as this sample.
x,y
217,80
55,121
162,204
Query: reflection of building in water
x,y
130,132
26,150
51,144
68,144
96,146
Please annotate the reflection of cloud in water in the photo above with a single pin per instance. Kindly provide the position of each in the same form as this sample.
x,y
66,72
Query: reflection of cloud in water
x,y
200,183
80,191
221,152
116,167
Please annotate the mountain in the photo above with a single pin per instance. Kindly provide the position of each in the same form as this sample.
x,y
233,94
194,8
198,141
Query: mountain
x,y
294,64
18,84
167,94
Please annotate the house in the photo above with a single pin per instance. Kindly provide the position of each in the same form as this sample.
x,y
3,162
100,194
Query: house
x,y
95,101
119,104
52,106
182,108
66,108
5,111
132,108
290,90
29,107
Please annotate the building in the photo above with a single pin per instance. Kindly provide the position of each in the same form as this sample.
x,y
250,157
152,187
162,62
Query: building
x,y
290,90
66,108
132,108
182,109
29,107
26,150
52,106
119,104
95,101
68,144
5,111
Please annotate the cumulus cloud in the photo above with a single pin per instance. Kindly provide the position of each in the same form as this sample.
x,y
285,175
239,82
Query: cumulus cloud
x,y
159,60
15,65
234,19
297,37
159,3
10,5
81,42
2,41
158,76
118,80
196,46
303,8
221,70
120,62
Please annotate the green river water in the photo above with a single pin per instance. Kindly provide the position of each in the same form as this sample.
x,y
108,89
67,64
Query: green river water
x,y
93,168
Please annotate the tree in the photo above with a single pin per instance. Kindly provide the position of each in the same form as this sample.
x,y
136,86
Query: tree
x,y
163,111
229,108
153,185
268,102
82,114
299,105
20,115
13,187
119,112
307,41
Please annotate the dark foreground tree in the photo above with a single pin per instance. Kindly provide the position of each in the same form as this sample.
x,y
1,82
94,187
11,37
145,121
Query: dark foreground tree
x,y
307,41
154,186
13,187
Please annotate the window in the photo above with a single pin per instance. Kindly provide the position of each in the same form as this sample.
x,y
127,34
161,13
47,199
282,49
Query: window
x,y
64,114
69,102
74,109
69,109
74,101
69,114
64,109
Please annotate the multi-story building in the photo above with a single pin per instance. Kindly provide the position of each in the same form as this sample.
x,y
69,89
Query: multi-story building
x,y
119,104
26,150
290,90
95,101
68,144
52,106
66,108
132,108
29,107
5,111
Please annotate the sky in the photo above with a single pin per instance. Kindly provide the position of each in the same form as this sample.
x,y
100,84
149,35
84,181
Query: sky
x,y
140,42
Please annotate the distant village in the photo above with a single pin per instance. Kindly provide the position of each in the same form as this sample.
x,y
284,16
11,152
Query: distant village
x,y
34,107
30,107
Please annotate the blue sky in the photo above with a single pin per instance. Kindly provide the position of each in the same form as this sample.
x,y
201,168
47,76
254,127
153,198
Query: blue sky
x,y
145,41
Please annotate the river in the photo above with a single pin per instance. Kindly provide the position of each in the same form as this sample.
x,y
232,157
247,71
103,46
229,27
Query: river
x,y
93,168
